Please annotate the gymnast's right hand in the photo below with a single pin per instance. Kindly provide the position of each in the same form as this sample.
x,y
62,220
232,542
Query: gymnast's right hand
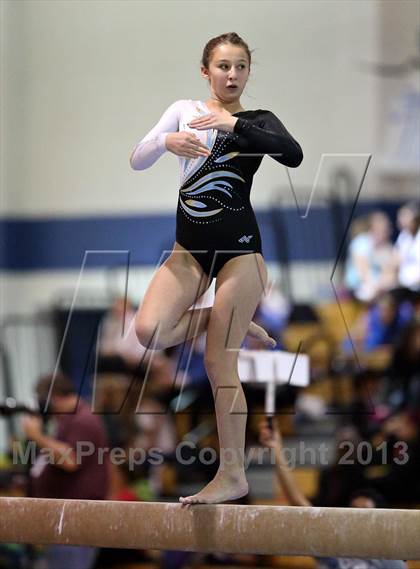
x,y
186,144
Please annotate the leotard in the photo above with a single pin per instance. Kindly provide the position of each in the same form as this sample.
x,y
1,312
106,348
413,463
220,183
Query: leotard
x,y
215,220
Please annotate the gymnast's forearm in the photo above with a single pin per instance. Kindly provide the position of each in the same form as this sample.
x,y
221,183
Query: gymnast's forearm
x,y
147,152
279,143
153,145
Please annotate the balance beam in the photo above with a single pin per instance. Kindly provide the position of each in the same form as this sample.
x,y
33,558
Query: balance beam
x,y
225,528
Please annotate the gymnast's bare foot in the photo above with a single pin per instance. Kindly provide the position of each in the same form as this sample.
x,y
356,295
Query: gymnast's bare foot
x,y
258,332
224,486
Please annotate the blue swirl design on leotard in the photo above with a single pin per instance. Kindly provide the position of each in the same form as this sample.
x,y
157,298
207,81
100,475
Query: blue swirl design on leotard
x,y
213,182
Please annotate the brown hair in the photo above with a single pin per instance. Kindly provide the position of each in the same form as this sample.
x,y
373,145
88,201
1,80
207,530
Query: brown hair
x,y
61,385
230,37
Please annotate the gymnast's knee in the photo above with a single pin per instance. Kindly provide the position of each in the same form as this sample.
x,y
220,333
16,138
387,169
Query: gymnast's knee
x,y
152,335
218,366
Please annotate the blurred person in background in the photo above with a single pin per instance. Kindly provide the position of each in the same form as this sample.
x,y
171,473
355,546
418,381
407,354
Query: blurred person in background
x,y
272,313
338,480
59,470
369,264
380,325
400,481
407,249
120,350
111,390
197,393
156,431
134,419
136,424
130,483
367,409
359,244
364,497
402,378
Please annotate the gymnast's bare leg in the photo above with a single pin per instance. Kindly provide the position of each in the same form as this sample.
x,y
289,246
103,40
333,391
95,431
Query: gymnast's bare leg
x,y
165,317
239,286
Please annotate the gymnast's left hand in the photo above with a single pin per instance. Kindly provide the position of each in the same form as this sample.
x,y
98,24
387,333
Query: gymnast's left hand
x,y
220,120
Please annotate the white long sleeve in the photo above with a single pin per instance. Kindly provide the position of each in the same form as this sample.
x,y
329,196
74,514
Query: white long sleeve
x,y
153,145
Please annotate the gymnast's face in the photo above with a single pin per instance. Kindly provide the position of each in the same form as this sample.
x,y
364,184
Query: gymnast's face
x,y
228,66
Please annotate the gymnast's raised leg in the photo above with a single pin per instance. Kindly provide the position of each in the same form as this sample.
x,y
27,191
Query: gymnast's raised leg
x,y
165,317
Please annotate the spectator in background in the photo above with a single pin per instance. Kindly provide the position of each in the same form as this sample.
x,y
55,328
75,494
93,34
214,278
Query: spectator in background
x,y
111,391
130,483
369,263
367,409
403,374
272,313
119,349
359,244
60,471
135,420
407,248
380,325
360,498
400,483
197,394
340,479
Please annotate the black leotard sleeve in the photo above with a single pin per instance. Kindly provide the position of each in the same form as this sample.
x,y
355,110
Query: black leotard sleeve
x,y
271,139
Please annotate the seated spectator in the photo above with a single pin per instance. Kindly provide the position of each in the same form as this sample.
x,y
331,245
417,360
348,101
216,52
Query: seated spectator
x,y
197,394
111,391
119,349
130,484
61,471
407,247
400,484
272,313
131,472
368,270
189,358
380,325
367,410
403,374
136,423
359,243
359,498
154,426
341,478
135,418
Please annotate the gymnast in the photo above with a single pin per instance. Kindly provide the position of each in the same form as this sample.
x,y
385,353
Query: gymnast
x,y
220,146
